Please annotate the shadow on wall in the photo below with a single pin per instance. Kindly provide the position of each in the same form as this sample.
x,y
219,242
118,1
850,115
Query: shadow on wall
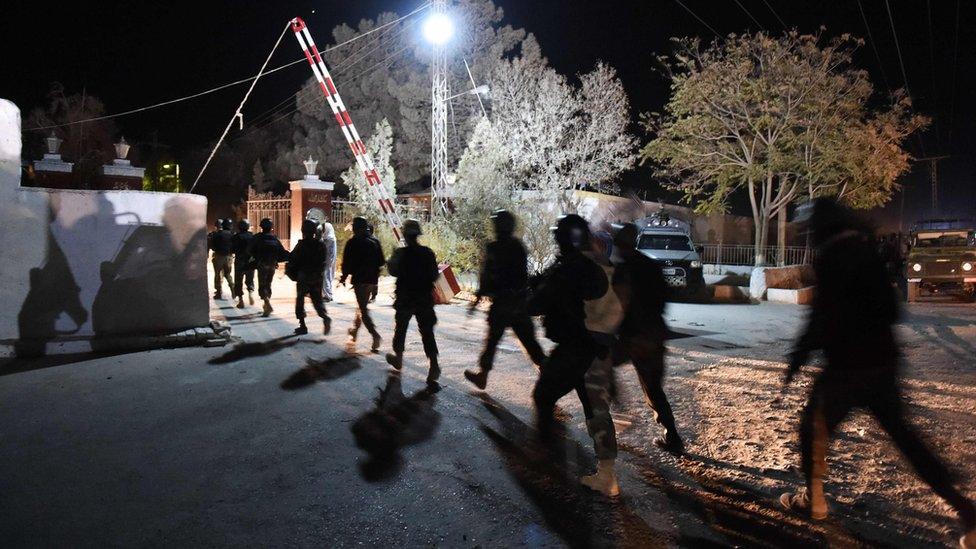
x,y
145,285
53,291
155,281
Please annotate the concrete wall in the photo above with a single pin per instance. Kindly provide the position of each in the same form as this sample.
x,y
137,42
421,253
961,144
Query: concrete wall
x,y
78,264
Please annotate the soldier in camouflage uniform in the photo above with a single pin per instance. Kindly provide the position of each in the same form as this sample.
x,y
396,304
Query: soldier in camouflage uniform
x,y
603,318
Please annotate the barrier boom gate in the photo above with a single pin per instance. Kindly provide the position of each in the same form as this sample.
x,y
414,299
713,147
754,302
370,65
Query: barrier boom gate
x,y
359,151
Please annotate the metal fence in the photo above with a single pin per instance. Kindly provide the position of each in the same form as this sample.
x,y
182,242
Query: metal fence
x,y
744,254
276,208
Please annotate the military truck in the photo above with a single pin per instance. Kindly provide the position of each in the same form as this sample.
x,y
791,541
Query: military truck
x,y
942,259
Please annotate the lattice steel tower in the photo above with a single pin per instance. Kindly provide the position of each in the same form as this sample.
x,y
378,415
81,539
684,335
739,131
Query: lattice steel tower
x,y
438,122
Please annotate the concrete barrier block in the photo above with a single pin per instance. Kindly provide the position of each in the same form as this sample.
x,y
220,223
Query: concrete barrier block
x,y
801,296
730,293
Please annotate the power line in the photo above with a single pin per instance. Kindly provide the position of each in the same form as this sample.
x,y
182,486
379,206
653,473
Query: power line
x,y
754,20
781,22
229,84
237,113
901,62
700,20
955,65
874,46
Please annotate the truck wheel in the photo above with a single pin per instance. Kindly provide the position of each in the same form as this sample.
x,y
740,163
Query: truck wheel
x,y
912,293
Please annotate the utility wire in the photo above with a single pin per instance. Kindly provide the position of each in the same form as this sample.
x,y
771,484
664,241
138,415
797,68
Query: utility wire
x,y
874,46
778,18
935,89
237,113
754,20
700,20
955,65
229,84
901,62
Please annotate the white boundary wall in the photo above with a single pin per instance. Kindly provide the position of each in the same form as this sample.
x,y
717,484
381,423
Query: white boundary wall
x,y
78,264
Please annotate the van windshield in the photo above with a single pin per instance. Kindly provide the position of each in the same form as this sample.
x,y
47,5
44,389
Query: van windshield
x,y
664,242
944,239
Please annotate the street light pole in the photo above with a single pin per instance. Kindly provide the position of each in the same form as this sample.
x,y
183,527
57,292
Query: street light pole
x,y
438,122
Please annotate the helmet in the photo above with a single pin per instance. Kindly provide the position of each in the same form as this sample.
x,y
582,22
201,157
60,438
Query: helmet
x,y
625,236
411,227
504,222
266,224
219,224
243,225
359,224
572,232
310,228
227,225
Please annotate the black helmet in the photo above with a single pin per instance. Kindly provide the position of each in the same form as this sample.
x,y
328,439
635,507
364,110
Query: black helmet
x,y
572,232
411,227
504,222
359,224
625,235
227,225
266,225
243,225
219,224
310,228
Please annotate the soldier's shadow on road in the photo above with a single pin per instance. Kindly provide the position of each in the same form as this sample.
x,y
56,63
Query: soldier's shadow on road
x,y
546,473
395,422
941,333
327,369
259,348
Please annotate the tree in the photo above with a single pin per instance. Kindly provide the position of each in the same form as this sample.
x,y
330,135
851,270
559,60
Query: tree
x,y
561,136
484,183
258,180
89,145
776,117
380,147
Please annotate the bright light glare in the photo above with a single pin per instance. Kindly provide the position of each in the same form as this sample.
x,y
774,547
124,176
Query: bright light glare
x,y
438,29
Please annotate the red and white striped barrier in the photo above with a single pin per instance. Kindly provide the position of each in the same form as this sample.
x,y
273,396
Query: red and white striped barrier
x,y
345,123
446,286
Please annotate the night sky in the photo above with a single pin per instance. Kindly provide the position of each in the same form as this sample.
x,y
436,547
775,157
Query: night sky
x,y
131,54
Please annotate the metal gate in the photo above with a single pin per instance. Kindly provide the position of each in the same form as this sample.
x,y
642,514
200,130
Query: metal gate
x,y
277,208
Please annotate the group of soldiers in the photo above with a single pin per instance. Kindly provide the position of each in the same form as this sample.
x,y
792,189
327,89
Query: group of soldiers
x,y
602,302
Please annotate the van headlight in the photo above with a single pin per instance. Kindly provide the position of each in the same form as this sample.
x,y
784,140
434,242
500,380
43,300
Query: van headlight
x,y
695,264
967,266
917,267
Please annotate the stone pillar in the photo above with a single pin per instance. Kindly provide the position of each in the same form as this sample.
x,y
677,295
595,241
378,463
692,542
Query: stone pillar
x,y
121,175
51,171
310,195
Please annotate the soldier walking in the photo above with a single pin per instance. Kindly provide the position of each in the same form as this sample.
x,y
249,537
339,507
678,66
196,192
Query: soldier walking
x,y
306,266
362,259
851,320
243,270
641,284
504,279
558,295
415,269
222,246
266,251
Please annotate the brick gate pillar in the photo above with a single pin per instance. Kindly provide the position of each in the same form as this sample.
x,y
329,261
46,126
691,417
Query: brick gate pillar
x,y
309,195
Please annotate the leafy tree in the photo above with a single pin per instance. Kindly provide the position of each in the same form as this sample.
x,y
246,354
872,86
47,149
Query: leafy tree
x,y
485,183
258,180
780,118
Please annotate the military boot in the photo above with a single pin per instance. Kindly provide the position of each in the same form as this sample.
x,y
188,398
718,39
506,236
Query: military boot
x,y
302,329
434,373
802,502
604,480
377,340
267,308
478,377
240,302
395,360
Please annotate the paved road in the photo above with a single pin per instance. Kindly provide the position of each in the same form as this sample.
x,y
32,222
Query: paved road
x,y
257,445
